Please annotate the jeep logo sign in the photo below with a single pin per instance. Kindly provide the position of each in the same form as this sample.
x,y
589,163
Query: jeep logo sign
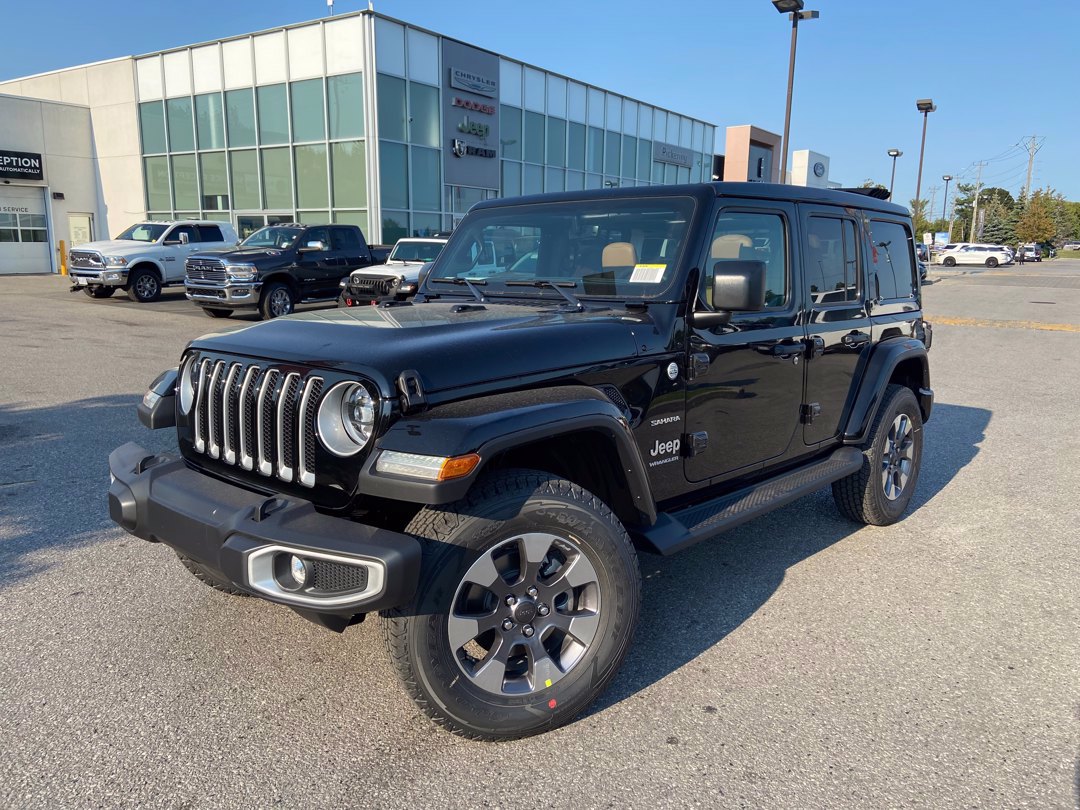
x,y
21,165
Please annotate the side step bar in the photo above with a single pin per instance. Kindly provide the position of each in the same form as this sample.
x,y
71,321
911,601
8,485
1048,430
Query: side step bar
x,y
674,531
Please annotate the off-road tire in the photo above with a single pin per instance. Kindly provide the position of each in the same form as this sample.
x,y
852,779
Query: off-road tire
x,y
499,508
207,577
217,313
861,495
272,295
99,292
144,286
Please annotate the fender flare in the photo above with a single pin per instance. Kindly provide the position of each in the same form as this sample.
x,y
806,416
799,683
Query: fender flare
x,y
491,425
143,261
879,369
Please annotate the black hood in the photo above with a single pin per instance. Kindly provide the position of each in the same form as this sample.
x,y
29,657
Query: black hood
x,y
251,255
449,349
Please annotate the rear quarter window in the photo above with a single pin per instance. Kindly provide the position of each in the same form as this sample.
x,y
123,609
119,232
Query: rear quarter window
x,y
892,259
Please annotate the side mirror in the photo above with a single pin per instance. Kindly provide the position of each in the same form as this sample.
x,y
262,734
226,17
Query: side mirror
x,y
738,286
316,246
184,239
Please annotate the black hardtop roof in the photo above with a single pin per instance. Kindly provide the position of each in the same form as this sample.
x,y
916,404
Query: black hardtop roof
x,y
704,191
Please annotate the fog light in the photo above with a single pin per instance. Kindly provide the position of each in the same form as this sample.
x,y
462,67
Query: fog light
x,y
298,569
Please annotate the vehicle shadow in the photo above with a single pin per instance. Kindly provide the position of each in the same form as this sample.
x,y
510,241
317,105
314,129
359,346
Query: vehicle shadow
x,y
54,475
693,600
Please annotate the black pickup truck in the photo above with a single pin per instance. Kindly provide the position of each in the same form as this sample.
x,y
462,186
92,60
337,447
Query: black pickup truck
x,y
483,463
278,267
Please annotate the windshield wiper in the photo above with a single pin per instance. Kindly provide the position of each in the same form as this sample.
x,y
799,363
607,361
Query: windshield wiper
x,y
556,286
479,296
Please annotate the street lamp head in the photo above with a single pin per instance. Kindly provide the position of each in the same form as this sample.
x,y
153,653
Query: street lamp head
x,y
925,105
946,177
895,153
809,15
788,6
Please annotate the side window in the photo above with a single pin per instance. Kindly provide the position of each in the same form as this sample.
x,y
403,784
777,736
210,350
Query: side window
x,y
345,239
754,236
210,233
192,234
831,261
317,235
892,259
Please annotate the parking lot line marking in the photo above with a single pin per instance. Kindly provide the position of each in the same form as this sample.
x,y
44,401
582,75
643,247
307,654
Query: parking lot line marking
x,y
985,322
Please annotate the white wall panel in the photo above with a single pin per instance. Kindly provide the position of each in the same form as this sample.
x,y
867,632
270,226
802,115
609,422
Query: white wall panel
x,y
389,47
510,83
556,96
614,113
148,72
645,121
206,69
423,52
344,45
575,102
177,74
534,90
596,107
305,52
236,56
270,58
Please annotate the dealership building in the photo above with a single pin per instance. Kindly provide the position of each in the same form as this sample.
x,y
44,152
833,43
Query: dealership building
x,y
357,119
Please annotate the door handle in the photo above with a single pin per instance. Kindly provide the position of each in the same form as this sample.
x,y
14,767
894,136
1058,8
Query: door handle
x,y
855,340
786,349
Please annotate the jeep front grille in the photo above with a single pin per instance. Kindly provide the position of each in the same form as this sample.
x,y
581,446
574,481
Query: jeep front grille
x,y
86,258
205,270
260,419
375,286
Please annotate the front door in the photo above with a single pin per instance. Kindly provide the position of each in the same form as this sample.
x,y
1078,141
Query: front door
x,y
838,319
748,374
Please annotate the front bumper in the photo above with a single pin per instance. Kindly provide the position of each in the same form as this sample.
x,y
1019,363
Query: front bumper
x,y
231,294
244,536
109,277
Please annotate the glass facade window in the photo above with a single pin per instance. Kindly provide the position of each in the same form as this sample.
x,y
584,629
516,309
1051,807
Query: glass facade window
x,y
181,128
575,150
611,154
358,218
273,114
425,224
426,179
152,127
629,156
308,113
348,171
394,176
209,121
314,217
157,183
395,225
245,179
575,181
511,178
215,181
532,179
534,137
554,179
391,107
312,187
240,117
644,160
556,142
423,114
594,153
345,97
277,179
185,183
510,132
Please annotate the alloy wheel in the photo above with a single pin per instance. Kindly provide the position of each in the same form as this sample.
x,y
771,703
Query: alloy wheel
x,y
898,457
280,302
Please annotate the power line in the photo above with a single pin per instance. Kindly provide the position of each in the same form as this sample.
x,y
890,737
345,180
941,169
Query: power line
x,y
1033,146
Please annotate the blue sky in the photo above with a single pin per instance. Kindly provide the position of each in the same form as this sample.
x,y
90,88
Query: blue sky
x,y
1000,71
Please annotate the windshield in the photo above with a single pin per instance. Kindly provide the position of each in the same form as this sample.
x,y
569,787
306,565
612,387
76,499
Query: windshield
x,y
144,232
415,251
613,247
273,236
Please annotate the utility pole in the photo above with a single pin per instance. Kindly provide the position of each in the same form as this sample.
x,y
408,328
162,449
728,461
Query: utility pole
x,y
975,210
930,210
1033,145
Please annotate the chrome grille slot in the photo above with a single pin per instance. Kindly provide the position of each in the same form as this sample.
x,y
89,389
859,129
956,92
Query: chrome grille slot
x,y
373,285
205,270
86,258
260,419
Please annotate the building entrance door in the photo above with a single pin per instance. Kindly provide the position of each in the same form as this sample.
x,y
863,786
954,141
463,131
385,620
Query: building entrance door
x,y
248,223
80,229
24,237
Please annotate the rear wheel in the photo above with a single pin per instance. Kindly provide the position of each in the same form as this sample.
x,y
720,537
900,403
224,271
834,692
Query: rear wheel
x,y
99,292
277,300
949,261
144,286
991,262
217,313
527,605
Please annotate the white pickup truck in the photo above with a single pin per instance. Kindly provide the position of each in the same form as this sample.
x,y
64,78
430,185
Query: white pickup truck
x,y
144,258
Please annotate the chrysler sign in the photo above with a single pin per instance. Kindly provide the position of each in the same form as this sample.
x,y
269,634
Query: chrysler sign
x,y
20,165
472,82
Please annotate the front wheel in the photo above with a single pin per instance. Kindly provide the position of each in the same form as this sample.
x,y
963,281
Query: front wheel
x,y
949,261
526,607
99,292
213,312
144,286
881,490
991,262
277,300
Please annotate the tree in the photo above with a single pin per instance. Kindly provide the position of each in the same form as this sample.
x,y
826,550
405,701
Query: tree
x,y
964,204
1036,222
918,217
999,227
1066,218
869,182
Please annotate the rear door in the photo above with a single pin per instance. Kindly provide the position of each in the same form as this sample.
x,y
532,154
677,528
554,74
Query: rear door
x,y
837,317
320,269
175,253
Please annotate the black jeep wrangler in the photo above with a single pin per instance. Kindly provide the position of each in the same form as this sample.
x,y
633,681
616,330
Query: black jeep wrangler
x,y
482,464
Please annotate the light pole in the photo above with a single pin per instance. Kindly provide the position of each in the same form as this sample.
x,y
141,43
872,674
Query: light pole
x,y
894,154
945,203
925,106
794,9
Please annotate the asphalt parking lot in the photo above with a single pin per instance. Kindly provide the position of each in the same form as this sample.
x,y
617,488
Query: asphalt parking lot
x,y
799,661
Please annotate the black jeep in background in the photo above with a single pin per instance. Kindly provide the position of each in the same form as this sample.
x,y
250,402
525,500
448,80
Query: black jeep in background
x,y
278,267
483,463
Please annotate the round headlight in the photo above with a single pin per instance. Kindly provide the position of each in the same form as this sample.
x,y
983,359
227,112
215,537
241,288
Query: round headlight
x,y
188,384
346,420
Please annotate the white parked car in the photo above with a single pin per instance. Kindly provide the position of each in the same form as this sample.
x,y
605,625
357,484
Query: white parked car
x,y
144,258
986,255
398,277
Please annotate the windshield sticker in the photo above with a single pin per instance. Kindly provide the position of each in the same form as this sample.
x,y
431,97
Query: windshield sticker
x,y
648,273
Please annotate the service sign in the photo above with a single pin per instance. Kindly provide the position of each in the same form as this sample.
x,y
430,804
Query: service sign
x,y
21,165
